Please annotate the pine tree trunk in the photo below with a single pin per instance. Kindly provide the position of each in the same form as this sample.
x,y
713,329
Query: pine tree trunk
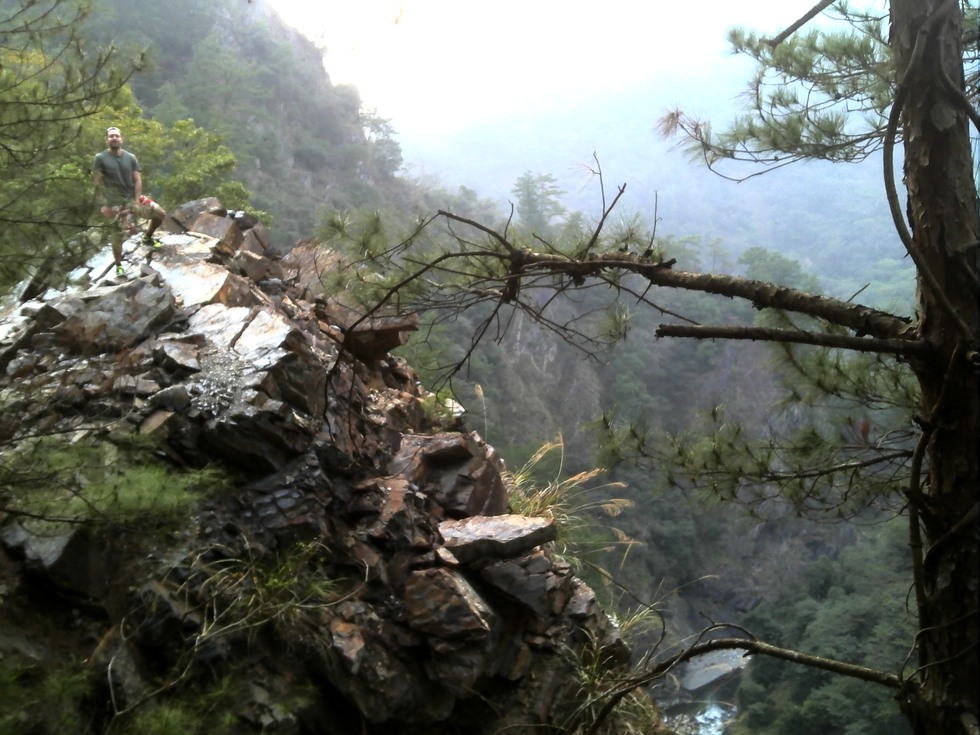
x,y
943,214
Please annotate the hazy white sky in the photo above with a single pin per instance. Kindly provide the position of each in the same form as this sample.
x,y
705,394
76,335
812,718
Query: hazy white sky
x,y
439,64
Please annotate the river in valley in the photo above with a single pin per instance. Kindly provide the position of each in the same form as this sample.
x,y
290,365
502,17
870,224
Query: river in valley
x,y
702,703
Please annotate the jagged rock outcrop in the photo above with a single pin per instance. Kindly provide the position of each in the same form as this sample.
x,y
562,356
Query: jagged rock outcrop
x,y
354,570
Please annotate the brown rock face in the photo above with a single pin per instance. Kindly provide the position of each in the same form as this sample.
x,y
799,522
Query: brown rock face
x,y
356,570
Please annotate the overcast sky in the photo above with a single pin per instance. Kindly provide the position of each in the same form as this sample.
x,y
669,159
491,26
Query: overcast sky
x,y
435,66
481,92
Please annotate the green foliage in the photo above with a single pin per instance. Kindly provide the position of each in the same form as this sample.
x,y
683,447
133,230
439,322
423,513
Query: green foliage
x,y
578,505
822,94
233,594
194,163
206,707
682,537
56,480
384,153
833,444
51,88
35,698
538,203
168,718
241,593
852,608
441,409
765,265
635,714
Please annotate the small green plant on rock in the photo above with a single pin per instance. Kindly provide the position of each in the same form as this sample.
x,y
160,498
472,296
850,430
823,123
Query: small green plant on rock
x,y
232,595
441,409
37,699
204,708
65,479
241,593
578,504
599,678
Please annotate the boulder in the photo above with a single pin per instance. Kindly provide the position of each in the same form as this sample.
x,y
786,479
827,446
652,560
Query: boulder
x,y
458,470
186,213
223,229
113,317
495,537
75,559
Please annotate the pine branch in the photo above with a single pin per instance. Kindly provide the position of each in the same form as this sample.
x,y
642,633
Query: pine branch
x,y
810,15
764,334
863,320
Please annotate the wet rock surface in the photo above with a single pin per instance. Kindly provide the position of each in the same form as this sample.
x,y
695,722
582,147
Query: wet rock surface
x,y
353,551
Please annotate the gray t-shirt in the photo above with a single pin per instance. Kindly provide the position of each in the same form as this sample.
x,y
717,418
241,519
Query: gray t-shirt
x,y
117,175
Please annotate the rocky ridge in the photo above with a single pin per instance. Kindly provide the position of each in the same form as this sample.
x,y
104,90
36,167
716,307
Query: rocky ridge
x,y
355,567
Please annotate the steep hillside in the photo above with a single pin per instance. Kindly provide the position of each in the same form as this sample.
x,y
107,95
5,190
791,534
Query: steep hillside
x,y
302,143
224,507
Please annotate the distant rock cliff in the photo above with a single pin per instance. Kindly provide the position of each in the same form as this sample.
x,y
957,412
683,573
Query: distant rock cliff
x,y
350,568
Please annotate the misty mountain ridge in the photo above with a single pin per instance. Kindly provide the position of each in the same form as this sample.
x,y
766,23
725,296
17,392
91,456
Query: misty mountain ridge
x,y
324,155
806,211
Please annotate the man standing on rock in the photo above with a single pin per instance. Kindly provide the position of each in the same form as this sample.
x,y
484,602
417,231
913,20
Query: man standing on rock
x,y
119,194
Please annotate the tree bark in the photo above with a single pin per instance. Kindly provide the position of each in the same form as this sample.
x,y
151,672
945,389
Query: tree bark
x,y
942,698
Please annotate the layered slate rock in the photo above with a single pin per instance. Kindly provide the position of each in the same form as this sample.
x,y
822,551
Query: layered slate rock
x,y
498,537
411,600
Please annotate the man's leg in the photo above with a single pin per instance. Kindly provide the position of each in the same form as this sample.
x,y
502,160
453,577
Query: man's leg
x,y
117,241
155,213
154,223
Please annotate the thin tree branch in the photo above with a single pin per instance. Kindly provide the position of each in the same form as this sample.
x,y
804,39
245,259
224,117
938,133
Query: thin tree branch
x,y
810,15
602,220
862,319
502,239
766,334
844,467
751,646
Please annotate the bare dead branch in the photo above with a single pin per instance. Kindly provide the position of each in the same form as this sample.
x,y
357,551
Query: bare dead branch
x,y
764,334
862,319
554,271
844,467
502,239
602,220
810,15
751,646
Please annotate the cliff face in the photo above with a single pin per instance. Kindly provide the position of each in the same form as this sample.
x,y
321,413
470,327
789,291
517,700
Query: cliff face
x,y
333,555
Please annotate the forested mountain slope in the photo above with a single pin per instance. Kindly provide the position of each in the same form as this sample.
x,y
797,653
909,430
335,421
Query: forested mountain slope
x,y
316,163
301,143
